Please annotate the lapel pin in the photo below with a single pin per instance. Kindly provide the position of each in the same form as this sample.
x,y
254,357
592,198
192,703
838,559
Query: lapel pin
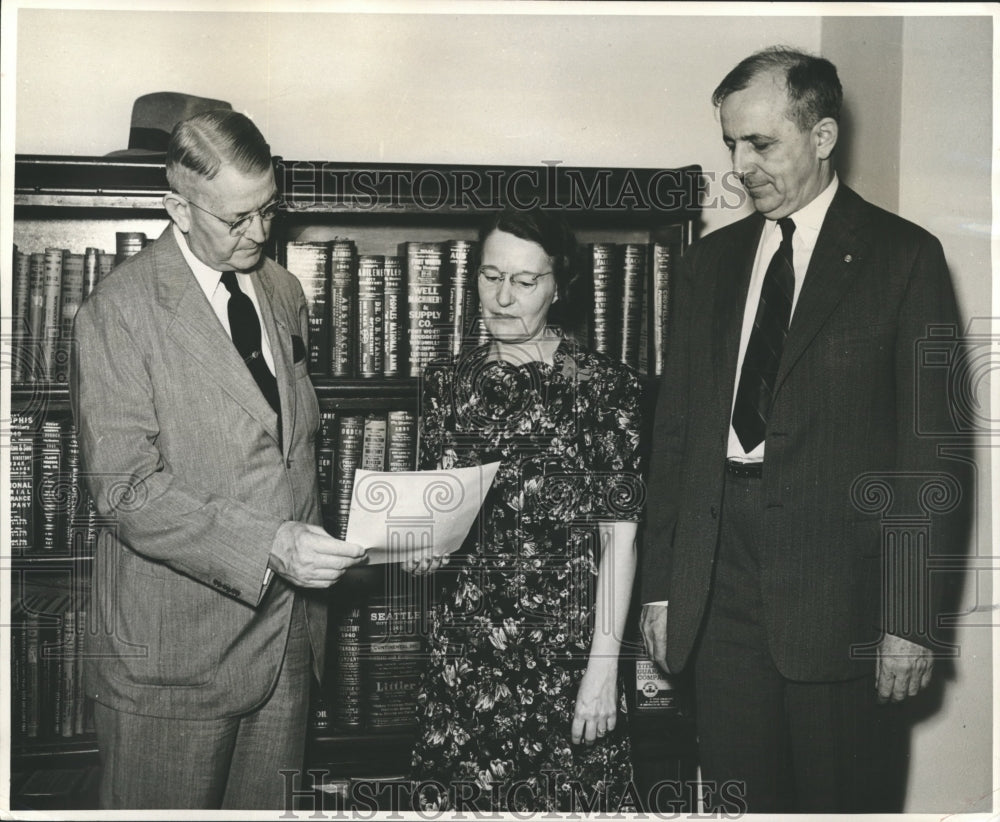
x,y
848,258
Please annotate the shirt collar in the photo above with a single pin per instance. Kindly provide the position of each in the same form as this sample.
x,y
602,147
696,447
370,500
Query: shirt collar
x,y
809,219
208,278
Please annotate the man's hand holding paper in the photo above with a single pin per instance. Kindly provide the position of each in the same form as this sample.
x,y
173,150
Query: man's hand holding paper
x,y
416,517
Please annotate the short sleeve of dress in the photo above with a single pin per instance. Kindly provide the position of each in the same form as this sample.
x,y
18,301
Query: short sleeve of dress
x,y
611,436
435,412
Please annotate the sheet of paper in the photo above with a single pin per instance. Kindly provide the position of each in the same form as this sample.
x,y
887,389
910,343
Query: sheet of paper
x,y
402,514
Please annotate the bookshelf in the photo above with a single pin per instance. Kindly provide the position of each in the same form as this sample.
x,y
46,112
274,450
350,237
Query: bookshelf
x,y
77,203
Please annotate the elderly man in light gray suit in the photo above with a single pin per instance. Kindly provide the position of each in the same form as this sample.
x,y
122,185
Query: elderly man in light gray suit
x,y
197,420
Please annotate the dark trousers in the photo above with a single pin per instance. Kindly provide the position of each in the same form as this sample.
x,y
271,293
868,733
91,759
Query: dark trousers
x,y
784,746
232,762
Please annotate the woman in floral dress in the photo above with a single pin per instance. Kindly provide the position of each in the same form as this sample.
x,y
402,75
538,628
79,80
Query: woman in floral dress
x,y
521,704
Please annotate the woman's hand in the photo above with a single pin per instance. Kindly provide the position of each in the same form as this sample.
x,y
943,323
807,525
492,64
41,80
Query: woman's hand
x,y
596,712
423,563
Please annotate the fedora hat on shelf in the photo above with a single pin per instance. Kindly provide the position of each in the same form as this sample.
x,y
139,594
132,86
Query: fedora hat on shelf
x,y
154,117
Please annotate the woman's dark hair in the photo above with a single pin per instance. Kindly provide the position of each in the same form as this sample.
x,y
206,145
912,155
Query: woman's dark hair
x,y
550,230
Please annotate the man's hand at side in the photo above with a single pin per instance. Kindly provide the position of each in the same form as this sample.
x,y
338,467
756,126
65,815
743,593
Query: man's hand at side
x,y
903,668
653,625
309,557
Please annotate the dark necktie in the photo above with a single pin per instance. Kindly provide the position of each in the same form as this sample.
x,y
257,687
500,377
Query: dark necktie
x,y
770,327
244,325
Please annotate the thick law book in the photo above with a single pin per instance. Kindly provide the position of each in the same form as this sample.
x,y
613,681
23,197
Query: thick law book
x,y
91,270
51,312
393,662
665,253
33,369
427,303
654,691
309,263
70,300
633,274
326,448
373,443
50,488
128,243
395,362
350,436
20,308
606,273
346,711
464,292
343,302
75,516
371,319
401,441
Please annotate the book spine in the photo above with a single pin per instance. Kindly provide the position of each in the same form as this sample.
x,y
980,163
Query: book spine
x,y
50,486
401,441
22,471
51,312
393,327
371,309
654,692
464,294
91,270
71,298
325,455
633,256
605,270
343,277
373,443
105,265
67,686
20,309
79,692
309,263
128,243
392,662
32,672
36,319
347,710
664,255
427,301
349,442
75,514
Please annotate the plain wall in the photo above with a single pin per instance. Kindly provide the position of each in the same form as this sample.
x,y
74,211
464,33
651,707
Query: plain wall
x,y
586,90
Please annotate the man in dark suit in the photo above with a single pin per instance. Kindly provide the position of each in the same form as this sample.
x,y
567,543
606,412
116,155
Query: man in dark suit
x,y
791,387
197,423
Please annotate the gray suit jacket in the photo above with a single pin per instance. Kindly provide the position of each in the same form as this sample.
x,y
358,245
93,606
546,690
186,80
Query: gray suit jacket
x,y
180,449
845,408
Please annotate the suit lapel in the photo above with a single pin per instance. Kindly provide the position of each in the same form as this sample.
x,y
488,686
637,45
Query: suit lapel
x,y
197,330
279,337
735,269
834,265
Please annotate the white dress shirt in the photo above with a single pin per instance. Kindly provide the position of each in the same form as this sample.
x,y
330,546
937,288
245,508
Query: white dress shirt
x,y
217,294
808,221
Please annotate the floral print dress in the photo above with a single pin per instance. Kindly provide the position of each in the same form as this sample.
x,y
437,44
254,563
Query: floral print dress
x,y
510,638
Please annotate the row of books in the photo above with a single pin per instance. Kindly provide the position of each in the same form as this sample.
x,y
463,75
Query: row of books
x,y
377,441
358,326
48,700
374,668
376,316
47,290
51,512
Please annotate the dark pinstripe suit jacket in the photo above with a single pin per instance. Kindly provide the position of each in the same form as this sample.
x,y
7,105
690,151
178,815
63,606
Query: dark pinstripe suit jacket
x,y
845,406
180,446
